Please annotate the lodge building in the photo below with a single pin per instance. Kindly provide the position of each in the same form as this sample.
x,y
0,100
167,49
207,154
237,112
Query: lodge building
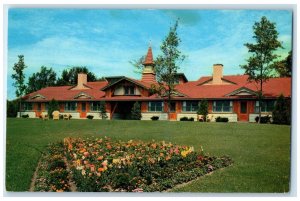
x,y
231,96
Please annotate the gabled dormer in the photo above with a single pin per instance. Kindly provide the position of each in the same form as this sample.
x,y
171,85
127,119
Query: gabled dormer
x,y
37,97
243,91
124,86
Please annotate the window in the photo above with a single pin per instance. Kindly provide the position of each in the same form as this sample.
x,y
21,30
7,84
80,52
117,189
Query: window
x,y
95,106
190,106
156,106
39,106
222,106
266,106
129,90
46,106
27,106
70,106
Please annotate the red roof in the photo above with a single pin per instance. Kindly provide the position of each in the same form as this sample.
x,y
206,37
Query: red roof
x,y
64,93
199,90
149,57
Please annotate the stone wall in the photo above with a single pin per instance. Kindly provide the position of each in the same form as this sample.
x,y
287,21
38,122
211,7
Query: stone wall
x,y
232,117
30,114
148,115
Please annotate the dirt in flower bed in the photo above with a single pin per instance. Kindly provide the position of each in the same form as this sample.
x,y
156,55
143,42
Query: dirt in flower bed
x,y
105,165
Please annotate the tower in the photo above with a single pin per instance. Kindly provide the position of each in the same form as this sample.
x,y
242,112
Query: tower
x,y
148,74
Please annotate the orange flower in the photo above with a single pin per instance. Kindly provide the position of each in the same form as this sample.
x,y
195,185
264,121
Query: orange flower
x,y
86,154
153,146
104,163
161,154
100,158
101,170
82,150
60,190
108,146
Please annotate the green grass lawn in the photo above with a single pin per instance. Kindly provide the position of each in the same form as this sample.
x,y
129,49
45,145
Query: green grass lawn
x,y
261,153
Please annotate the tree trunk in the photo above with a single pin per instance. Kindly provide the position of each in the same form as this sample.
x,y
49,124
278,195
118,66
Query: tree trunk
x,y
20,107
169,103
260,100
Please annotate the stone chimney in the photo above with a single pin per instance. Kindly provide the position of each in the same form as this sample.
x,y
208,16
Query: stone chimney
x,y
217,74
148,74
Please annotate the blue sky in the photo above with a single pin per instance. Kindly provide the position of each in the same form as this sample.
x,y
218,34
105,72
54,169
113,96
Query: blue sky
x,y
106,40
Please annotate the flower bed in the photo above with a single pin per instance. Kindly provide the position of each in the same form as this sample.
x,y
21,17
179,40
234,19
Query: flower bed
x,y
135,166
52,174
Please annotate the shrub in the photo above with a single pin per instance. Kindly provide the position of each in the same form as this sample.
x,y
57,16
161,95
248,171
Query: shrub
x,y
222,119
203,109
25,116
184,119
103,110
154,118
136,111
263,119
282,111
53,105
191,119
90,116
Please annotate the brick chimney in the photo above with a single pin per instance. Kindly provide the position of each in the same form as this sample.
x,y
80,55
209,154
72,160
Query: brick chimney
x,y
81,80
217,74
148,72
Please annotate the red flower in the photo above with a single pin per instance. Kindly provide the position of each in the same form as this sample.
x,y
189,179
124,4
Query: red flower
x,y
200,158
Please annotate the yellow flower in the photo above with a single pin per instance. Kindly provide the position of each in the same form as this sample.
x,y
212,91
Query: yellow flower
x,y
78,162
184,153
116,161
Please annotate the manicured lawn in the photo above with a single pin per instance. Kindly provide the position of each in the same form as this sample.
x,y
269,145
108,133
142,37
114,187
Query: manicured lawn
x,y
261,153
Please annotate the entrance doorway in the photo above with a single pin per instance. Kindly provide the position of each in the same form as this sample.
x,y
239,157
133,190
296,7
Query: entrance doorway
x,y
83,110
243,116
173,115
122,110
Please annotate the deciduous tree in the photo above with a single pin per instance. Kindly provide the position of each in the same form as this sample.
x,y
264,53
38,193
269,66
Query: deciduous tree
x,y
167,64
46,77
284,67
19,78
262,57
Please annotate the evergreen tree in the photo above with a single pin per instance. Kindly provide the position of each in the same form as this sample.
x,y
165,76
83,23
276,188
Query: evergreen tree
x,y
19,78
260,63
12,108
203,109
53,105
70,76
282,111
136,111
102,109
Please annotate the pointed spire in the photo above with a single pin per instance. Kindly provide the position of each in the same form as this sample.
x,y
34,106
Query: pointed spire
x,y
149,56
